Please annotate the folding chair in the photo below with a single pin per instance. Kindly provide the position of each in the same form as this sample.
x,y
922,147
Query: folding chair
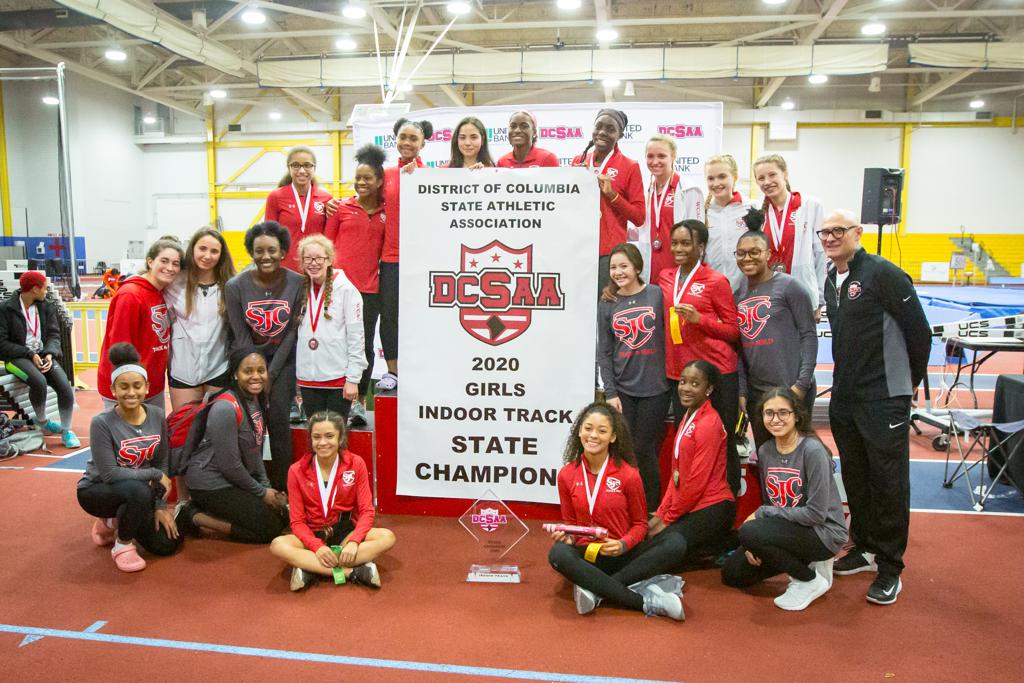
x,y
990,439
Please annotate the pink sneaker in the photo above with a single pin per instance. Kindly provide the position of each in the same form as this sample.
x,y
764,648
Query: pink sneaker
x,y
127,558
102,535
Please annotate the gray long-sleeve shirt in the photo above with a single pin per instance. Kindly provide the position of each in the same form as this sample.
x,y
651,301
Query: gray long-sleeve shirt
x,y
777,335
230,454
800,487
264,316
124,452
631,344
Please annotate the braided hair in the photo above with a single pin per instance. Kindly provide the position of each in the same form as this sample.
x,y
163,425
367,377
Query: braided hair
x,y
325,244
781,163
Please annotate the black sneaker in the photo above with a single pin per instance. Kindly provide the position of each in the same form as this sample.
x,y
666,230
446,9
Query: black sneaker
x,y
366,575
855,562
884,589
185,519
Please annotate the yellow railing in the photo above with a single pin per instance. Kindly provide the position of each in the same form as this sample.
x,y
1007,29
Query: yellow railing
x,y
89,322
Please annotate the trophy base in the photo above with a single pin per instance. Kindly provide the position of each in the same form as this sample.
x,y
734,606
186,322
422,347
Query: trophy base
x,y
493,573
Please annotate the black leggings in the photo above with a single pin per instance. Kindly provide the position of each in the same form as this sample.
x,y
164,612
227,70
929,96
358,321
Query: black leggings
x,y
251,520
704,530
316,399
389,309
726,402
282,393
37,382
132,503
761,434
645,417
609,577
783,547
371,312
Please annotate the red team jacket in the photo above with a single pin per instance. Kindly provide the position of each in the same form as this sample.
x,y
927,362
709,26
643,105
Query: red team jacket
x,y
630,205
714,337
392,192
351,493
281,207
358,239
620,506
701,467
535,158
137,315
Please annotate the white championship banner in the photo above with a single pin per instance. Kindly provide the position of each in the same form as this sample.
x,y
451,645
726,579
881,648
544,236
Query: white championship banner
x,y
565,130
498,337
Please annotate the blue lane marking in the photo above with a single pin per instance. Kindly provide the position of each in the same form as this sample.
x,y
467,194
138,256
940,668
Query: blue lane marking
x,y
96,626
315,656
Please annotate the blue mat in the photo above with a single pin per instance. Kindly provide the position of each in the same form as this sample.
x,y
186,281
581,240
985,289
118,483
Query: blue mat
x,y
75,462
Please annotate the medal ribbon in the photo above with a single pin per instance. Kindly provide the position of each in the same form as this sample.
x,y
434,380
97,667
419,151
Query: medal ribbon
x,y
31,322
316,305
592,498
679,438
325,490
675,324
604,164
657,201
776,228
303,210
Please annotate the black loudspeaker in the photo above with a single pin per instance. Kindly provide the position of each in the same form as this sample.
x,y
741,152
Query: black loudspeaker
x,y
881,202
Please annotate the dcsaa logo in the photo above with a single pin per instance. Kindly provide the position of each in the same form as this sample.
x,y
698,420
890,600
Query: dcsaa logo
x,y
489,519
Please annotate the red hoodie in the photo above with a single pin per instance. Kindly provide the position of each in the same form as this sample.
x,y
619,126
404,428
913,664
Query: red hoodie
x,y
350,493
714,336
535,158
281,207
137,315
392,193
628,206
620,506
357,237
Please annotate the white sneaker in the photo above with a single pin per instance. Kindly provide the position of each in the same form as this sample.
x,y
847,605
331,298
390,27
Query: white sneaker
x,y
301,579
824,569
800,594
658,603
670,583
586,601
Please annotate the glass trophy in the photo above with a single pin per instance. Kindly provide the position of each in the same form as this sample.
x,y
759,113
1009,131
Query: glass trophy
x,y
497,530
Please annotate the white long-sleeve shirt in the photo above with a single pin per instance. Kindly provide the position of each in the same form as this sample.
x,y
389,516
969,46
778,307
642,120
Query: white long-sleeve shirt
x,y
725,226
199,342
339,344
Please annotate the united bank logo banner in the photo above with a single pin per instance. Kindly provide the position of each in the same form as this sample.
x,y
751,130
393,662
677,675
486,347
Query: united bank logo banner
x,y
565,130
498,338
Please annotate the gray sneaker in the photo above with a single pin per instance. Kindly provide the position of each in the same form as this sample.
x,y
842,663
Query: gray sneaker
x,y
666,582
301,579
366,575
357,416
658,603
586,601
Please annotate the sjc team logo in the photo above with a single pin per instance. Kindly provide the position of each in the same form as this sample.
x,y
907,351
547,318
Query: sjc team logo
x,y
634,326
268,317
784,485
496,291
754,313
489,519
613,484
258,428
136,452
348,477
161,323
854,290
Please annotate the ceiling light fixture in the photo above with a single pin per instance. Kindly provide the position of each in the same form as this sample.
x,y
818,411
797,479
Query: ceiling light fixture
x,y
788,104
458,8
274,115
345,43
569,4
50,100
353,10
115,55
773,2
611,83
872,28
149,119
253,16
817,79
977,103
606,34
218,94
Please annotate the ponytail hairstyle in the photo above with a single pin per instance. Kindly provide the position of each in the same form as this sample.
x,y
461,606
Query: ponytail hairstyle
x,y
730,161
337,421
483,156
778,161
165,242
618,116
754,220
711,373
287,179
374,157
222,272
667,141
328,248
635,258
533,121
235,359
620,450
124,355
698,233
426,128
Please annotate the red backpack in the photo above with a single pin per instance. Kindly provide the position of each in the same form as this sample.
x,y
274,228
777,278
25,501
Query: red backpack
x,y
186,427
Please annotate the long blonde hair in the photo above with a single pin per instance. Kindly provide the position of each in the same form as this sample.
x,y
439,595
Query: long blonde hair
x,y
730,161
328,247
778,161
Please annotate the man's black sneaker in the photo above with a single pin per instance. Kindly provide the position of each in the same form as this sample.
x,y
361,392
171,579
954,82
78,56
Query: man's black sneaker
x,y
855,562
884,590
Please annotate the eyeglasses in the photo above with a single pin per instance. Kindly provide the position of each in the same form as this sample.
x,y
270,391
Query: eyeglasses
x,y
772,415
296,166
752,253
836,232
318,260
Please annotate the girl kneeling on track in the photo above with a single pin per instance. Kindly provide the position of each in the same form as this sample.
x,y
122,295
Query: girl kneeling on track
x,y
600,486
125,481
331,510
698,505
800,527
231,494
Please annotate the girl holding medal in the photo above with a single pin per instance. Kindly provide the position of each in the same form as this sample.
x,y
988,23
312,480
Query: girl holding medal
x,y
791,223
779,341
410,138
298,203
622,188
600,486
724,211
469,145
698,504
668,202
261,303
800,526
522,135
329,356
701,323
331,510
